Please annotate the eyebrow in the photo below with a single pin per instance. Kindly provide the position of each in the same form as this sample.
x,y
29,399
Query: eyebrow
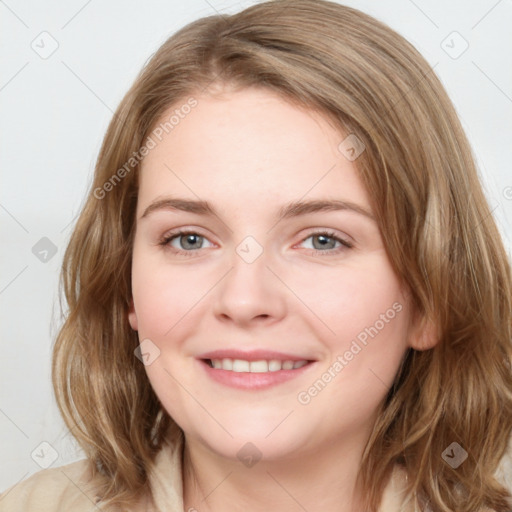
x,y
290,210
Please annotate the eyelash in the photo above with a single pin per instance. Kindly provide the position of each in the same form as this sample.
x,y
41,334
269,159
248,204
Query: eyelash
x,y
166,239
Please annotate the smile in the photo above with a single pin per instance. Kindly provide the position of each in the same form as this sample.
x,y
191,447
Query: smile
x,y
256,374
262,366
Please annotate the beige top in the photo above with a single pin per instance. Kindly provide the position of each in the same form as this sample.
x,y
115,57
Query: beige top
x,y
68,488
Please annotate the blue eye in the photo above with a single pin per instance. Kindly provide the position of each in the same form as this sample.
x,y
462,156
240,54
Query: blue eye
x,y
326,242
188,241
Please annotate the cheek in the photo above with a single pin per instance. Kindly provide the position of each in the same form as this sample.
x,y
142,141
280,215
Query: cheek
x,y
349,299
163,298
364,357
365,324
162,295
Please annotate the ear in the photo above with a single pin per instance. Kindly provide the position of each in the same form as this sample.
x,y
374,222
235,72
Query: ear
x,y
132,317
423,334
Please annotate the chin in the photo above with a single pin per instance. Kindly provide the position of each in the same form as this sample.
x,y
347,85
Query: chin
x,y
250,449
257,440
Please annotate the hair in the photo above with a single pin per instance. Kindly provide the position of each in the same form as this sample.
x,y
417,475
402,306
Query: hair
x,y
435,222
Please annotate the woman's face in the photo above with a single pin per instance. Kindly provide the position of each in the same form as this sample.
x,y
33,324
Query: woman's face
x,y
265,275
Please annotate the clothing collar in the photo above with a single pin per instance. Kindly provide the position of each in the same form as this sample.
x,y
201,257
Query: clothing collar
x,y
166,482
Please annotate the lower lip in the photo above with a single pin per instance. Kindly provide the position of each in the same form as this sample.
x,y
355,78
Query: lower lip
x,y
247,380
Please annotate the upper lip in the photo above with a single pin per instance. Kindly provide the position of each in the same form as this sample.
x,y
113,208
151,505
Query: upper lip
x,y
252,355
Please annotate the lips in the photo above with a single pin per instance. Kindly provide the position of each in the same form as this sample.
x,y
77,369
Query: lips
x,y
256,369
255,361
253,355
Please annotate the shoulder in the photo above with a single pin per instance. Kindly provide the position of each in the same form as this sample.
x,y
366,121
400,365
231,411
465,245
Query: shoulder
x,y
395,497
67,487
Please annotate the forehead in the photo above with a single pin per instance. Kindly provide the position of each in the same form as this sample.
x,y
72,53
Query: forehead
x,y
248,145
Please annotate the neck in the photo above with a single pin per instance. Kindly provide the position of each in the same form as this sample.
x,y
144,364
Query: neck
x,y
315,480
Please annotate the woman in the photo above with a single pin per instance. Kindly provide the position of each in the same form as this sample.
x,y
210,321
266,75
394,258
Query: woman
x,y
279,292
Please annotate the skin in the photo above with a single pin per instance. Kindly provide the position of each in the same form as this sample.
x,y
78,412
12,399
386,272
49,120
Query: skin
x,y
248,153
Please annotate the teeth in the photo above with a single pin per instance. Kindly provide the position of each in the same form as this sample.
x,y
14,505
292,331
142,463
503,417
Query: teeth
x,y
240,365
287,365
258,366
274,365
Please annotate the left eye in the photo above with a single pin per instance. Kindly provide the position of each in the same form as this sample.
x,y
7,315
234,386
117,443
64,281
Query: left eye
x,y
325,241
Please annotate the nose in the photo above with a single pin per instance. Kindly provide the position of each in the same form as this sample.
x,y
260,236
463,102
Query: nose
x,y
250,293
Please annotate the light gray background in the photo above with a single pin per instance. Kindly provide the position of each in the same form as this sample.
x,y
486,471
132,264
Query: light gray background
x,y
55,111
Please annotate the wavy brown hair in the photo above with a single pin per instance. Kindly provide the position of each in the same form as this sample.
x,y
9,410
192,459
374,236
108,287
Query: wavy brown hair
x,y
435,222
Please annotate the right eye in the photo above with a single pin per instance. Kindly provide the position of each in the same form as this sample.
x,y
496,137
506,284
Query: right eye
x,y
184,241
